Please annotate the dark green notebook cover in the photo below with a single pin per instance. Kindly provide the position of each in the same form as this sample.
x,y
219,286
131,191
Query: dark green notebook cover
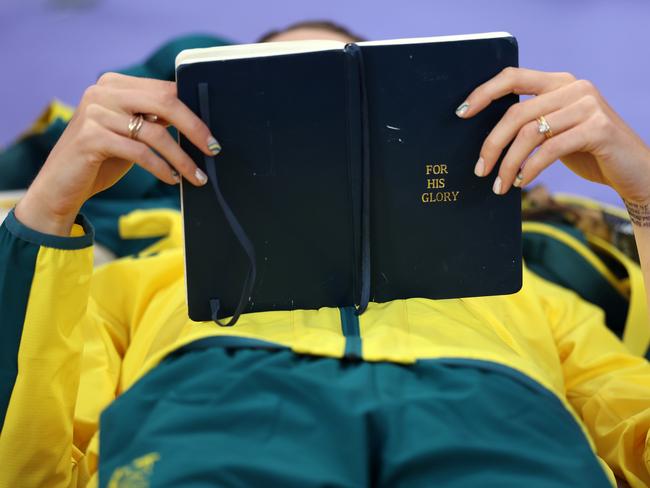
x,y
340,155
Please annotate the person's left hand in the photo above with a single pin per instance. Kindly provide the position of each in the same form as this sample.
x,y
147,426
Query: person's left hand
x,y
587,135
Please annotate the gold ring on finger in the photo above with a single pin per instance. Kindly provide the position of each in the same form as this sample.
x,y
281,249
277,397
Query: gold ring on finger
x,y
543,127
135,124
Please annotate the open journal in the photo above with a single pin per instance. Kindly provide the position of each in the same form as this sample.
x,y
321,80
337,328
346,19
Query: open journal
x,y
345,175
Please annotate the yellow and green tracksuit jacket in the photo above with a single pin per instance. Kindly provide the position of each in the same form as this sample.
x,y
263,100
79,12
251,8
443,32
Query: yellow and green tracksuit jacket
x,y
74,338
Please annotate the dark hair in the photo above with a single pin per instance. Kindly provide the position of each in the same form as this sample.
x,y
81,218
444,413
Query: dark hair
x,y
313,24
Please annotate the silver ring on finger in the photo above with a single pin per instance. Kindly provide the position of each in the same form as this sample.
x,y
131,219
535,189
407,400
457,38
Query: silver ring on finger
x,y
135,124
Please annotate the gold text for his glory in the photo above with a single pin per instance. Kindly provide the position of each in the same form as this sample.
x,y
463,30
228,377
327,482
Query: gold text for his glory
x,y
436,181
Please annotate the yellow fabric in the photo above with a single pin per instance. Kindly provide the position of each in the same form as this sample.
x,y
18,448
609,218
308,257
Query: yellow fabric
x,y
86,340
36,446
637,328
141,224
586,202
55,110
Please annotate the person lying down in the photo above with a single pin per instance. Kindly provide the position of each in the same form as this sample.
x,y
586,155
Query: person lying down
x,y
529,389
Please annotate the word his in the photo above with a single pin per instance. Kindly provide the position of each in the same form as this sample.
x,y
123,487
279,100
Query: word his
x,y
437,170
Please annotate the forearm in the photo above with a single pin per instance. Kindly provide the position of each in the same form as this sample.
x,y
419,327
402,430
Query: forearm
x,y
33,212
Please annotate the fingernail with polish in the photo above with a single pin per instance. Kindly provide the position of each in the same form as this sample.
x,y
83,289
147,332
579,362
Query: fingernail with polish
x,y
213,146
462,108
519,178
176,176
496,188
201,176
479,169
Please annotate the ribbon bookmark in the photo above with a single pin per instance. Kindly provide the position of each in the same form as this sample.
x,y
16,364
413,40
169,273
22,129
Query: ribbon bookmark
x,y
235,226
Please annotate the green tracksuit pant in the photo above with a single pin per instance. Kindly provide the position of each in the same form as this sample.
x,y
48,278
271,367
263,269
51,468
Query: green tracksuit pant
x,y
240,417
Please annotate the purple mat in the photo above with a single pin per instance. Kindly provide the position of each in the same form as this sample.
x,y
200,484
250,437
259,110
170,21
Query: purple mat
x,y
56,48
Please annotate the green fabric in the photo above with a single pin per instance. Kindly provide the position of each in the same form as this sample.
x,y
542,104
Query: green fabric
x,y
17,265
138,189
350,328
251,417
161,64
105,214
561,264
35,237
20,162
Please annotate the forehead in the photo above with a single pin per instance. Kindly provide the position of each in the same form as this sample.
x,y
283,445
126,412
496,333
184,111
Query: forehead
x,y
310,33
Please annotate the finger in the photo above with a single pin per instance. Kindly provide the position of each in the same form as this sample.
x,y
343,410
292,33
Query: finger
x,y
155,119
162,103
520,81
115,145
156,137
573,140
118,80
176,113
529,137
518,116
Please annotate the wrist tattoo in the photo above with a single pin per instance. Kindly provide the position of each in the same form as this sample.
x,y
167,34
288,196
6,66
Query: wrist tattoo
x,y
639,213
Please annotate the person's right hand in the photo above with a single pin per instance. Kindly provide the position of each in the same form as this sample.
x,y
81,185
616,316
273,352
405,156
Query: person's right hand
x,y
95,150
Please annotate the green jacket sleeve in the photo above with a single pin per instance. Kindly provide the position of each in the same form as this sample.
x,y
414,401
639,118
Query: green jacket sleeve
x,y
44,288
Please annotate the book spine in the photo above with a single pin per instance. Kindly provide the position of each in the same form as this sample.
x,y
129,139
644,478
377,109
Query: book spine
x,y
359,144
